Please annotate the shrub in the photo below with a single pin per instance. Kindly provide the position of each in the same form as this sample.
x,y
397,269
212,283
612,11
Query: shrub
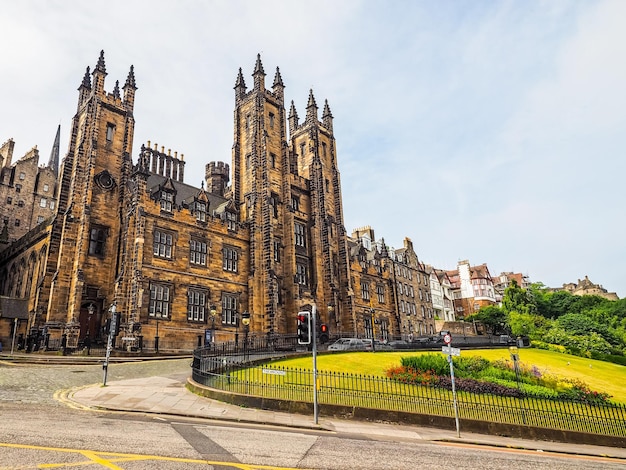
x,y
479,375
434,363
471,365
476,386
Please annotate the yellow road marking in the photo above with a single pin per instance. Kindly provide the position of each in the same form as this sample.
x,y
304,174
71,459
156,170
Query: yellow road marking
x,y
108,459
63,396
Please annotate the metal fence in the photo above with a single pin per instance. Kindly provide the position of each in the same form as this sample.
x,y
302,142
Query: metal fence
x,y
231,370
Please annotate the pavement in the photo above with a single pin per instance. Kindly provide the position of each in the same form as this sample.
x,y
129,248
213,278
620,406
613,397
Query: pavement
x,y
168,395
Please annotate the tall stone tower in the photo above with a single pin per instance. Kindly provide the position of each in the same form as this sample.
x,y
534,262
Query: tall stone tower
x,y
287,189
84,261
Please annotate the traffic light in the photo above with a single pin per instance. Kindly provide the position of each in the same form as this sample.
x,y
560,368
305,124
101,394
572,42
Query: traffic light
x,y
304,327
323,333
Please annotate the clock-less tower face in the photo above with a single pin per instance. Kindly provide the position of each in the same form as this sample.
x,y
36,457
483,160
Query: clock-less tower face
x,y
287,189
98,159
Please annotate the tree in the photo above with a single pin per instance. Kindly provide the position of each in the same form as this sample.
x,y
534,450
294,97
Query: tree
x,y
492,317
526,324
518,299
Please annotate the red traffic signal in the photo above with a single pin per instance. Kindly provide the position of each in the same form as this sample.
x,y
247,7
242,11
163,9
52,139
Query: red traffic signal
x,y
304,327
323,333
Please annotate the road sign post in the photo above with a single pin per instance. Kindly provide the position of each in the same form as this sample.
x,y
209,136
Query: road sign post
x,y
450,351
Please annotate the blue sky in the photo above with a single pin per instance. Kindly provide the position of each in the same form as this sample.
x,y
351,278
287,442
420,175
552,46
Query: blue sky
x,y
484,130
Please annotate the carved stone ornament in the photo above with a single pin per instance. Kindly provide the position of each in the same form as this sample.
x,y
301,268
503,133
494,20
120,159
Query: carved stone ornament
x,y
104,180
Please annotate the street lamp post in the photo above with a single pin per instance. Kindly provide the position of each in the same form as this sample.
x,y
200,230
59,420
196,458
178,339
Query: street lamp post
x,y
236,331
213,312
245,321
373,319
331,313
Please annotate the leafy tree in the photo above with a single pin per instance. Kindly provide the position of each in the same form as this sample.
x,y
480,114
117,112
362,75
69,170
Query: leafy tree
x,y
492,317
579,324
526,324
559,303
518,299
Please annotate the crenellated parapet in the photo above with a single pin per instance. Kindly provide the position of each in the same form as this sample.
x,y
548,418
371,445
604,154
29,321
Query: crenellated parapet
x,y
311,119
94,86
277,93
217,177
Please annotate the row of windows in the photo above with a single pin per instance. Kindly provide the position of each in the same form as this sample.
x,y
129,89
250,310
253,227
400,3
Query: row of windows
x,y
365,291
163,243
199,209
406,289
43,203
197,304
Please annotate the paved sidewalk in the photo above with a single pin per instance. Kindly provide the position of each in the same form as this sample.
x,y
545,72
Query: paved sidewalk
x,y
166,395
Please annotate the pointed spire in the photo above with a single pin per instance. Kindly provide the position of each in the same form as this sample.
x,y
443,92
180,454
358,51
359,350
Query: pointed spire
x,y
259,75
116,89
240,86
311,109
130,87
327,117
240,82
383,248
292,111
326,112
258,67
99,72
130,80
278,80
311,100
53,163
278,86
86,80
100,67
84,89
293,118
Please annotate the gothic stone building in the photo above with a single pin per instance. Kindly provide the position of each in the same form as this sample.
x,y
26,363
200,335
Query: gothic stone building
x,y
177,260
392,297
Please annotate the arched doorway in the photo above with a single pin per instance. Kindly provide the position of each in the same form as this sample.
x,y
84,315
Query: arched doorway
x,y
90,320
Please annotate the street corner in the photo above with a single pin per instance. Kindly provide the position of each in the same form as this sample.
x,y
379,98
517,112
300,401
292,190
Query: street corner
x,y
78,398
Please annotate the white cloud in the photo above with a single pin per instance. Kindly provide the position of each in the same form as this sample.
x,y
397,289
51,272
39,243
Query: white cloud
x,y
489,131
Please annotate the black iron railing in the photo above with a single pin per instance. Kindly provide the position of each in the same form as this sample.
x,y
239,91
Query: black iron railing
x,y
233,369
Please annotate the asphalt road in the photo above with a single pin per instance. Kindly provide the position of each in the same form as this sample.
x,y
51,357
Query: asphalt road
x,y
36,430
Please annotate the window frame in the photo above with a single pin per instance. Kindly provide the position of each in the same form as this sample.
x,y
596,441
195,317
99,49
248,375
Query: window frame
x,y
230,259
302,273
230,305
160,302
162,244
231,220
299,230
365,290
166,199
197,301
97,241
198,250
200,210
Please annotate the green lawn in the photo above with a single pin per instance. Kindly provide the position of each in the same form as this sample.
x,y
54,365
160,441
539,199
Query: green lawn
x,y
598,375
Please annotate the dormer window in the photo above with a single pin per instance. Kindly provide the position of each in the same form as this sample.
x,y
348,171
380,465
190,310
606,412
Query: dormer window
x,y
231,220
200,211
167,201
